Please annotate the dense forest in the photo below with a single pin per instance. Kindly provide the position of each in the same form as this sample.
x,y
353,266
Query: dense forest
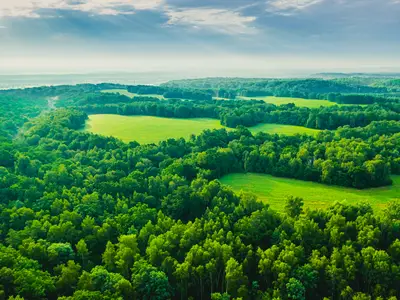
x,y
347,90
84,216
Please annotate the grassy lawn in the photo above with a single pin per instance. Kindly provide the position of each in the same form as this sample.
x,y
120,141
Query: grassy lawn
x,y
298,101
131,95
147,130
274,190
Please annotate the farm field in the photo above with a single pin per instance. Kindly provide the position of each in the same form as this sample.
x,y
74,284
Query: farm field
x,y
131,95
274,190
146,129
297,101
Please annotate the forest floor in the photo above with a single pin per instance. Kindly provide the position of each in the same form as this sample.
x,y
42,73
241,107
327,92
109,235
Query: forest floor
x,y
274,190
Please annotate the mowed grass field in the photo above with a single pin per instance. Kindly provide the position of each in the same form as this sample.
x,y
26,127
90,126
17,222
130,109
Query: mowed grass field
x,y
297,101
274,191
146,129
131,95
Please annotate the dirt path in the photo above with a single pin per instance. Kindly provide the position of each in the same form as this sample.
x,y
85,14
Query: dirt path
x,y
51,102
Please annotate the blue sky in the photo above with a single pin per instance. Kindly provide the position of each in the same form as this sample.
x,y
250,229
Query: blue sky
x,y
321,35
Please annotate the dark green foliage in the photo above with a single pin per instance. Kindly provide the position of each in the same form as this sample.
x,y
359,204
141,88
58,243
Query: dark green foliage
x,y
297,88
89,217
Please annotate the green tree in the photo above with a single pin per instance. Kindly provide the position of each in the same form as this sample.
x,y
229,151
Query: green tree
x,y
294,206
82,251
150,283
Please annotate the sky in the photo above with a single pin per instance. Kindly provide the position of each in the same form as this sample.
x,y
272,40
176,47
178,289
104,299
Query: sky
x,y
221,37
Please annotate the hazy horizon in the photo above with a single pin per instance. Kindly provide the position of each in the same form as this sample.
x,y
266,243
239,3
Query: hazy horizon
x,y
199,37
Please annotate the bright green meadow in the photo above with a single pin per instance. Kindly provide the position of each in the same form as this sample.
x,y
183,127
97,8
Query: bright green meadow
x,y
145,130
275,190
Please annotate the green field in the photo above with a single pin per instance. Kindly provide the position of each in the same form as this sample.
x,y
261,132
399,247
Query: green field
x,y
144,129
282,129
131,95
147,130
274,190
297,101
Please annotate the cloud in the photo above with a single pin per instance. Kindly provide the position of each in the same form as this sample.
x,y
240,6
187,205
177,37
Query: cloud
x,y
220,20
3,27
29,8
287,7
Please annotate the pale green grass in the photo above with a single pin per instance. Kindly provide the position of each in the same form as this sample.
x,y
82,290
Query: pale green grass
x,y
144,129
131,95
297,101
282,129
274,191
147,130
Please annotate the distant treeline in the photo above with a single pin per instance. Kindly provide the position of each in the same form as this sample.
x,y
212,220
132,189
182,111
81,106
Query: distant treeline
x,y
233,113
340,91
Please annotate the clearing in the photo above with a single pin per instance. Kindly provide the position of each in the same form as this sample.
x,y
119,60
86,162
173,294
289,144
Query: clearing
x,y
146,129
275,190
282,129
297,101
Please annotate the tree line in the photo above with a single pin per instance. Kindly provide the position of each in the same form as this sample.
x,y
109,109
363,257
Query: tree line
x,y
233,113
342,91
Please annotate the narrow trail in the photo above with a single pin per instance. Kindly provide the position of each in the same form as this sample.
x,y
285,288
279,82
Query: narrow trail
x,y
51,105
51,102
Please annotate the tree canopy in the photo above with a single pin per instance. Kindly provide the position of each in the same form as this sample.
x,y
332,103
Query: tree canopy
x,y
84,216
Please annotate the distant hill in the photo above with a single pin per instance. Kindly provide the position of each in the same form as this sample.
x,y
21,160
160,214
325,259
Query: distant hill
x,y
351,75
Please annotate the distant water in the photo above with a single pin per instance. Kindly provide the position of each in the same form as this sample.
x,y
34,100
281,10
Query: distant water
x,y
32,80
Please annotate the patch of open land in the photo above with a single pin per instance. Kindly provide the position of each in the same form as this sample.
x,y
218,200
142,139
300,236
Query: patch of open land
x,y
310,103
146,129
275,190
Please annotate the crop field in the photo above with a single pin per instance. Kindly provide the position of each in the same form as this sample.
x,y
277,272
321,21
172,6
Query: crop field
x,y
297,101
131,95
275,190
146,129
